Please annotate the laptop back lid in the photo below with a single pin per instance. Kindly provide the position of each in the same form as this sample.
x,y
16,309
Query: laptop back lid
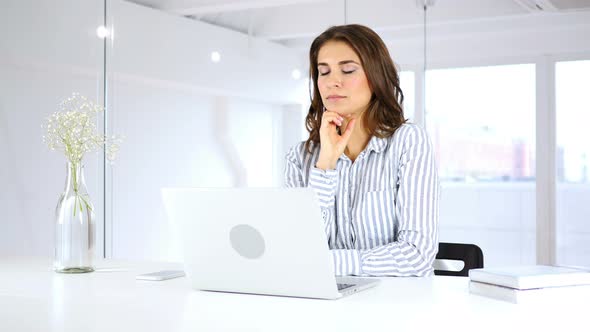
x,y
253,240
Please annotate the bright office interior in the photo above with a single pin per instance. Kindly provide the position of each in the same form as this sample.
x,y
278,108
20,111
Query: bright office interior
x,y
213,93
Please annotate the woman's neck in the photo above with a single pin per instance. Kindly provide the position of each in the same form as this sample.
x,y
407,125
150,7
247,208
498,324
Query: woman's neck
x,y
358,140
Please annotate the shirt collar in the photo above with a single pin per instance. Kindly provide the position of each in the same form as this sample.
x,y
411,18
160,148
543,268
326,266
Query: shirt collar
x,y
377,144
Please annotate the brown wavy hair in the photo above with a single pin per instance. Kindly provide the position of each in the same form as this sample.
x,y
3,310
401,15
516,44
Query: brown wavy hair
x,y
384,114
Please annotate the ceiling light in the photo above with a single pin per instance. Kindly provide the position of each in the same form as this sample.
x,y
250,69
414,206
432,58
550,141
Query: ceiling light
x,y
215,56
102,32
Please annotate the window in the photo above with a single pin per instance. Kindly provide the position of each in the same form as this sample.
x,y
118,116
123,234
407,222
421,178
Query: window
x,y
482,123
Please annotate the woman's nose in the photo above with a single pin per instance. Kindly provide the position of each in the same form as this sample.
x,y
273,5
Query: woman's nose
x,y
334,81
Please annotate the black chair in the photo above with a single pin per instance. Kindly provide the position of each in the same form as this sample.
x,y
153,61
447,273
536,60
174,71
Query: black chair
x,y
470,254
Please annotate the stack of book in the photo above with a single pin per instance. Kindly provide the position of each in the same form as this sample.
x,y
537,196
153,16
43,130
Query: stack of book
x,y
535,284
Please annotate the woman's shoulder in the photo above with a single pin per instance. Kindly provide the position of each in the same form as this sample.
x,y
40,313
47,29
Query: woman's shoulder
x,y
410,127
298,152
407,137
410,131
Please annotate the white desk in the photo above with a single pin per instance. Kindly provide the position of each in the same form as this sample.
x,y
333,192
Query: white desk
x,y
34,298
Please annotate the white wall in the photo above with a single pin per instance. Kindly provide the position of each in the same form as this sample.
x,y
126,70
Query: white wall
x,y
190,122
176,51
177,139
573,227
48,49
498,217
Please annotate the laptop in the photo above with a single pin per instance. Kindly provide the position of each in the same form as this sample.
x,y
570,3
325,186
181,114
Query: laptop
x,y
258,241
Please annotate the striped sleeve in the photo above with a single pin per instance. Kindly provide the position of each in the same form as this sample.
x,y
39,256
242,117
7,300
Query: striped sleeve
x,y
323,183
414,251
346,262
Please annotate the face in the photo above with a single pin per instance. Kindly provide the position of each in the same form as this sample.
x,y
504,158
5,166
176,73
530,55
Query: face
x,y
342,81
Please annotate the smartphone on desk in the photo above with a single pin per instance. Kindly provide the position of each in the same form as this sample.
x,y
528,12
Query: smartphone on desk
x,y
161,275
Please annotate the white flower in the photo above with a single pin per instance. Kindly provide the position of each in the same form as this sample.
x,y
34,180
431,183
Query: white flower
x,y
72,130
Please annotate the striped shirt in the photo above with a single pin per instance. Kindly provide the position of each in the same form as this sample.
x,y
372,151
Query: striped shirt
x,y
381,211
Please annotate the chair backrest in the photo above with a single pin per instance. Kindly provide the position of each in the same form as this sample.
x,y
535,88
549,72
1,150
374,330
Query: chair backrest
x,y
469,256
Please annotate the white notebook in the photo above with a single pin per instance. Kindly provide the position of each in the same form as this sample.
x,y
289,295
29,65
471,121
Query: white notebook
x,y
529,277
538,296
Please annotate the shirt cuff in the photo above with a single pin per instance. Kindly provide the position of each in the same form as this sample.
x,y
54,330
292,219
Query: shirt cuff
x,y
346,262
324,183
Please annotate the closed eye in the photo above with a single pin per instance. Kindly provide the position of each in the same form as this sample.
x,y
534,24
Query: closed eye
x,y
344,72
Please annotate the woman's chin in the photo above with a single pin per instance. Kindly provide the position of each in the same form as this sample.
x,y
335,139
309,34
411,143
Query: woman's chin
x,y
341,111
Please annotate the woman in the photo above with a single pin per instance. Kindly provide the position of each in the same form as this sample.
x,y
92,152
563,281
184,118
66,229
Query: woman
x,y
374,174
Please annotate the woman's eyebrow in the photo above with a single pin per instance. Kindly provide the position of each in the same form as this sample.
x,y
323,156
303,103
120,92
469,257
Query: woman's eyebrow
x,y
340,63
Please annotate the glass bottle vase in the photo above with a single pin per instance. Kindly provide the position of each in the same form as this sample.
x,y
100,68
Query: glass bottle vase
x,y
74,225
